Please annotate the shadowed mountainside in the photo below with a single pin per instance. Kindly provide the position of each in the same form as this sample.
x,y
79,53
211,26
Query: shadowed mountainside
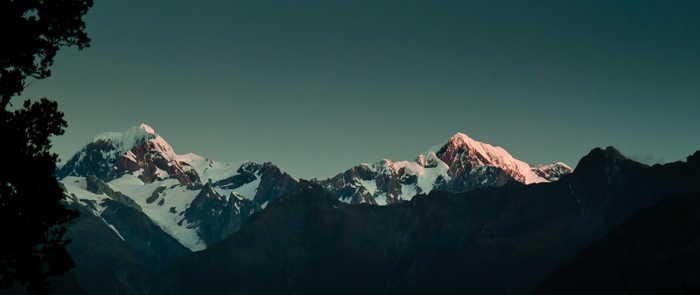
x,y
656,251
120,253
497,240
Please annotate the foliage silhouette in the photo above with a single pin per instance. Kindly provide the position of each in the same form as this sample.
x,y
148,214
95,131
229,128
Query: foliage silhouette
x,y
32,218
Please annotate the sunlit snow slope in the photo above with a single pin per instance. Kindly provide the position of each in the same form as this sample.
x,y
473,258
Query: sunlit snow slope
x,y
200,201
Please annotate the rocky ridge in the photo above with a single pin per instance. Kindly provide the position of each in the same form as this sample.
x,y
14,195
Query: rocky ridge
x,y
235,212
138,151
200,201
461,164
493,240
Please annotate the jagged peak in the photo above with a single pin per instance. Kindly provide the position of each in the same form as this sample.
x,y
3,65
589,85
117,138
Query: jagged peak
x,y
603,157
208,191
428,159
461,138
462,141
461,148
137,136
111,154
605,153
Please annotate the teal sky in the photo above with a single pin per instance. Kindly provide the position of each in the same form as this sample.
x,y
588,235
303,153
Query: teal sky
x,y
317,87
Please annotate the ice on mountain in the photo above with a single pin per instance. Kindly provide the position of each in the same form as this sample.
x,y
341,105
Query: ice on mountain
x,y
147,129
115,230
129,139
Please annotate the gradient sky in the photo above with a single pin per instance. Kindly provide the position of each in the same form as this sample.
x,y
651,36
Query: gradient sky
x,y
317,87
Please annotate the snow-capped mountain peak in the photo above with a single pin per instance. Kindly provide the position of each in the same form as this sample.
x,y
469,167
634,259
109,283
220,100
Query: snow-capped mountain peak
x,y
460,164
461,139
200,201
462,153
139,151
124,141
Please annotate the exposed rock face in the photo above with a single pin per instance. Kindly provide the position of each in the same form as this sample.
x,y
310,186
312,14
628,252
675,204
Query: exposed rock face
x,y
428,159
461,154
325,246
246,174
94,159
472,225
194,213
461,164
551,172
217,217
475,178
494,240
273,183
138,151
261,183
347,186
97,186
120,250
385,182
150,162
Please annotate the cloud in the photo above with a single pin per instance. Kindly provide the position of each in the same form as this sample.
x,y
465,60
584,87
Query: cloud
x,y
645,158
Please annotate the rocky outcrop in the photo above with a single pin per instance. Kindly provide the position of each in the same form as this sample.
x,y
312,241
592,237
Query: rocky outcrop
x,y
97,186
273,183
96,159
216,217
386,179
138,151
460,165
149,163
492,240
551,172
475,178
346,185
461,154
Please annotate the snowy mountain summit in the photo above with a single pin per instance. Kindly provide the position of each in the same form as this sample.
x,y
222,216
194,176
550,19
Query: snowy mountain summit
x,y
199,201
139,151
144,209
195,200
458,165
462,153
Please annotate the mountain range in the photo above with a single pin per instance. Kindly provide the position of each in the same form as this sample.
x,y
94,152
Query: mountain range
x,y
199,201
463,217
495,240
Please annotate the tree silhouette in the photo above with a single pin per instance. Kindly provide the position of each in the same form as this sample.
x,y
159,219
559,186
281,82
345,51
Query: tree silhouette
x,y
32,219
